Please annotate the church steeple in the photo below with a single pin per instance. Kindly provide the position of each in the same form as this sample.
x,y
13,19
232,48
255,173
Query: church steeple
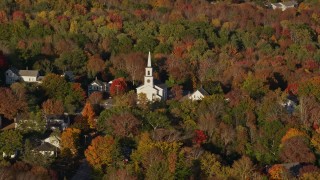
x,y
148,78
149,60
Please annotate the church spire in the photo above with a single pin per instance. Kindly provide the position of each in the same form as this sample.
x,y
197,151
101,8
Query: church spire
x,y
149,60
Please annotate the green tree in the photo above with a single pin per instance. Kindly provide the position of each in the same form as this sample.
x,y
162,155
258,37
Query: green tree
x,y
10,142
73,61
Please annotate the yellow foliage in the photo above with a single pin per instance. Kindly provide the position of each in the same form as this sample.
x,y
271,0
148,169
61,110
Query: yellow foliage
x,y
216,23
42,14
210,165
70,140
315,141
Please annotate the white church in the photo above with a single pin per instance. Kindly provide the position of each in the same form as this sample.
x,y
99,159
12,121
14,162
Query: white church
x,y
154,91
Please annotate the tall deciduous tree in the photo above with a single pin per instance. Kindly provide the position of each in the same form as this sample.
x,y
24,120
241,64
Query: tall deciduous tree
x,y
53,107
89,114
124,125
95,65
135,65
70,140
118,86
102,152
10,105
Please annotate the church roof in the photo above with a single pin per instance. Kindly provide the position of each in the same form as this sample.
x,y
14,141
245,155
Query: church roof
x,y
203,92
159,83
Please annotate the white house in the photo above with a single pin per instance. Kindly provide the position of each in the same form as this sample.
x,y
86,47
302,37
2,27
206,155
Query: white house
x,y
13,75
284,5
47,149
198,94
152,90
54,141
99,86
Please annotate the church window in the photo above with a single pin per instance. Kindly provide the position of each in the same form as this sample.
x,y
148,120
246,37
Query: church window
x,y
148,73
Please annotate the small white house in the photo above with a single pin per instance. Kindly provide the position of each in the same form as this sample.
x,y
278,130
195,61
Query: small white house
x,y
13,75
47,149
284,5
53,140
199,94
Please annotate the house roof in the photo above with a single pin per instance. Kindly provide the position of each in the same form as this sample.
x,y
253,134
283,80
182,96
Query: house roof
x,y
203,92
100,83
159,84
289,3
45,147
14,70
34,73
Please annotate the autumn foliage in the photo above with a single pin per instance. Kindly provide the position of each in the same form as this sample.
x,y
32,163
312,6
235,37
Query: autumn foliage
x,y
88,113
200,137
101,152
70,140
118,86
53,107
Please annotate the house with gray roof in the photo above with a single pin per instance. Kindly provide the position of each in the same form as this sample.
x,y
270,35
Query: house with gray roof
x,y
99,86
13,75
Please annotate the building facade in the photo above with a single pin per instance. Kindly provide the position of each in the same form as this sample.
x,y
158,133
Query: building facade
x,y
152,90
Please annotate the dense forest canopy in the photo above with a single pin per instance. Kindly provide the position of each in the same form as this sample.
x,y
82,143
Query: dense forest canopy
x,y
252,60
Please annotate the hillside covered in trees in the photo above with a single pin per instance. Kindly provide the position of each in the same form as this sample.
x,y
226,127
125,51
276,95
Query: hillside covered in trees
x,y
259,66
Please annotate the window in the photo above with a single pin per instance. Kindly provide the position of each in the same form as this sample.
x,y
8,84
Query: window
x,y
148,73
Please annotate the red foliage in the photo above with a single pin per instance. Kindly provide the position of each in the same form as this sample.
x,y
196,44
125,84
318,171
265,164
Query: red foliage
x,y
118,86
18,15
200,137
292,88
311,65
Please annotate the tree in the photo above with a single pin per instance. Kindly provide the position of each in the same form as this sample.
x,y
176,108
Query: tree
x,y
102,152
53,107
118,86
10,142
254,87
124,125
296,149
95,97
157,120
34,122
177,92
55,86
10,105
70,139
89,114
243,168
95,65
135,65
73,61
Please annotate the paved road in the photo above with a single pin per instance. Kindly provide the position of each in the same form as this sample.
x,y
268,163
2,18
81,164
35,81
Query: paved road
x,y
84,171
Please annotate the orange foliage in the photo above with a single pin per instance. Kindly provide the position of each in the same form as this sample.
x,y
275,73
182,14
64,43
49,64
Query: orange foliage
x,y
100,152
89,114
276,171
292,133
70,140
53,107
